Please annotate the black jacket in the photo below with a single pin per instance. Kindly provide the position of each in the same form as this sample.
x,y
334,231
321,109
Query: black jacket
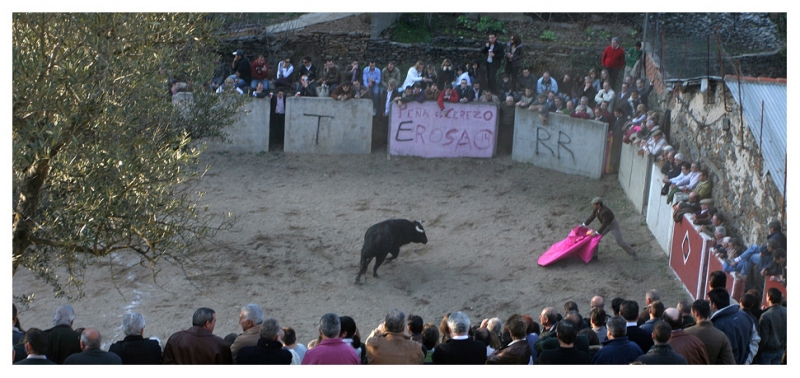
x,y
136,350
266,352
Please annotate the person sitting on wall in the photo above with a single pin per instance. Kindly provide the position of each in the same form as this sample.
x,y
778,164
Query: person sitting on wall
x,y
343,92
283,77
526,100
707,210
689,206
305,89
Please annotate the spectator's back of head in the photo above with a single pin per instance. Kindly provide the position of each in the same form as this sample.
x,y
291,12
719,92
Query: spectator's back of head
x,y
532,326
629,310
748,301
253,313
458,323
615,304
662,332
64,315
415,324
719,298
495,325
673,317
591,335
289,336
90,338
566,331
430,336
270,328
570,306
617,326
132,324
774,295
330,325
657,309
517,326
37,340
201,316
395,321
717,279
702,308
652,295
685,307
598,316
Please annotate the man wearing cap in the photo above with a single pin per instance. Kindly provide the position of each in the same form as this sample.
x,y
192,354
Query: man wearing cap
x,y
707,210
242,69
655,144
607,223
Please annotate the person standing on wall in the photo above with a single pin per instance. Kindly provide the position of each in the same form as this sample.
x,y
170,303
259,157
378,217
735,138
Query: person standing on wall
x,y
494,55
613,60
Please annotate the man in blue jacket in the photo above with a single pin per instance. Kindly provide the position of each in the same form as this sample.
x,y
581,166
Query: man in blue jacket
x,y
617,349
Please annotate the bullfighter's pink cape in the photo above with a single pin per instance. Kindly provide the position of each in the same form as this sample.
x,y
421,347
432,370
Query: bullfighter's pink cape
x,y
577,244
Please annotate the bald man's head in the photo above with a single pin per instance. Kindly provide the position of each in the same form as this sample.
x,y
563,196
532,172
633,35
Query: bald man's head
x,y
90,339
673,317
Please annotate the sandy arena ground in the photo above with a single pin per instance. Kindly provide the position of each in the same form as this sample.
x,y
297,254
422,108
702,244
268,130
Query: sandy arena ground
x,y
302,218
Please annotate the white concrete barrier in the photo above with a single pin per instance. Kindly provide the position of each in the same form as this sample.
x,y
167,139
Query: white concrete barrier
x,y
659,213
326,126
634,175
460,130
565,144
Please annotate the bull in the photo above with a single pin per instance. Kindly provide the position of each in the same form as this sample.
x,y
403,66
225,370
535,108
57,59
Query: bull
x,y
387,237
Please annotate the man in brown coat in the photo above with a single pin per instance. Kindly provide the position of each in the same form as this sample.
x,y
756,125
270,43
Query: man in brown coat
x,y
388,345
518,351
718,347
198,345
682,342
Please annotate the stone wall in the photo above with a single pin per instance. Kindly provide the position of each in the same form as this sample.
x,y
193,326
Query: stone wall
x,y
748,199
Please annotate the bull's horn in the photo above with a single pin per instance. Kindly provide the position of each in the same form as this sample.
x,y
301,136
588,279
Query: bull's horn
x,y
419,229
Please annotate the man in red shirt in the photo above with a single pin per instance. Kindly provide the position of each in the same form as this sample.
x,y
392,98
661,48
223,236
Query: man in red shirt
x,y
613,60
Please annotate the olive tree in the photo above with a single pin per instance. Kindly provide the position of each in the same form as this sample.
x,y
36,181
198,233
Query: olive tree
x,y
102,160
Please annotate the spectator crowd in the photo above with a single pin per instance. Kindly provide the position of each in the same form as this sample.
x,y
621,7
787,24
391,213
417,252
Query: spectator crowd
x,y
712,331
715,330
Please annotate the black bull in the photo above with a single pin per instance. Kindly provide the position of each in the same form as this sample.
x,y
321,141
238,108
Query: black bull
x,y
387,237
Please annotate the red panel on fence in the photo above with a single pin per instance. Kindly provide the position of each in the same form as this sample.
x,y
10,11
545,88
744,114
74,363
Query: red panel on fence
x,y
734,286
688,257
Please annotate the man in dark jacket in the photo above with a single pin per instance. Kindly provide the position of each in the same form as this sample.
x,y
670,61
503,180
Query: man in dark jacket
x,y
566,353
135,349
242,69
494,56
518,351
198,345
35,344
62,340
661,353
629,310
92,354
269,349
460,349
737,325
617,349
772,329
608,223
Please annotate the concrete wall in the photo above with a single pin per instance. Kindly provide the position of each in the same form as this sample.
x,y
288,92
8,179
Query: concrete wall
x,y
565,144
659,213
326,126
460,130
634,175
249,134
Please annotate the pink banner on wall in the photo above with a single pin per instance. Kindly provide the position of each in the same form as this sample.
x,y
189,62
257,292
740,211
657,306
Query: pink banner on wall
x,y
460,130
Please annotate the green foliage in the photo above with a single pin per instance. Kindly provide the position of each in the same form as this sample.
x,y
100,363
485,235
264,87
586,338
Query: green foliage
x,y
548,35
484,25
593,34
411,28
101,157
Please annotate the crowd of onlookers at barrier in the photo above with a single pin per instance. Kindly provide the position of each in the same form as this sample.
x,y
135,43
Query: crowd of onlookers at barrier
x,y
712,331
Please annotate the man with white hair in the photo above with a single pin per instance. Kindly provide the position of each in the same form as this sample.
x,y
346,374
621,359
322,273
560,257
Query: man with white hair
x,y
250,318
62,340
135,349
460,349
268,349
